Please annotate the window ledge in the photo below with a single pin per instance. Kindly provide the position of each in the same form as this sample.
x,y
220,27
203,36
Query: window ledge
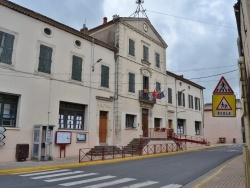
x,y
131,128
12,128
76,82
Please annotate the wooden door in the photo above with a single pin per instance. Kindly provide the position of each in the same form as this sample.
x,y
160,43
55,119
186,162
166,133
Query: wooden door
x,y
145,122
103,127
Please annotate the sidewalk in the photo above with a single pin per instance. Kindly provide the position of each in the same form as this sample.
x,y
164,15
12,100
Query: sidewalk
x,y
231,175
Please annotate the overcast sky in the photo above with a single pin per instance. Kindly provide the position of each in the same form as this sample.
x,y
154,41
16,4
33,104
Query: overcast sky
x,y
197,49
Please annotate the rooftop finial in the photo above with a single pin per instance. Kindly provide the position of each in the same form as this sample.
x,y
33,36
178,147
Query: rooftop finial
x,y
139,9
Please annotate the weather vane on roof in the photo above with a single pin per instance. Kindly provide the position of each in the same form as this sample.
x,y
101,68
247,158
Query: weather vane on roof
x,y
139,9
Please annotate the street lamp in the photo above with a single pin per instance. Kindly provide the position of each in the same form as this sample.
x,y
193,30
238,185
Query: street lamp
x,y
95,63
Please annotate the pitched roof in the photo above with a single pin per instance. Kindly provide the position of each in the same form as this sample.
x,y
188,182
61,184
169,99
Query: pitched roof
x,y
123,20
54,23
181,78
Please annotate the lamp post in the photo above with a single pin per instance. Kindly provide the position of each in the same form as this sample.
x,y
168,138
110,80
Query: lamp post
x,y
93,68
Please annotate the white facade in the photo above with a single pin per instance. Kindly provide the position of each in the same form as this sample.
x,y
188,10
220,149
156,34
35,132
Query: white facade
x,y
110,88
185,106
39,94
121,32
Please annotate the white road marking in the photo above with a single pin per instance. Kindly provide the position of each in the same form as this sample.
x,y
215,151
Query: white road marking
x,y
48,172
87,181
172,186
124,180
71,177
55,175
137,185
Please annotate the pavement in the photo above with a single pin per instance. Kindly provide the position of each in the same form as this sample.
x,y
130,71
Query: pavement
x,y
229,175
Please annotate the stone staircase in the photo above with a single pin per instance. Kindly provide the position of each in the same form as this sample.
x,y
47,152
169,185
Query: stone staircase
x,y
136,145
104,150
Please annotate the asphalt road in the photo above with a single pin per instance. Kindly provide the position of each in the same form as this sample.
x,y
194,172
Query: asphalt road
x,y
170,171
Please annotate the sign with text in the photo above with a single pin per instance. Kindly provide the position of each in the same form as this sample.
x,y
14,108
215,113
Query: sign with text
x,y
63,137
224,106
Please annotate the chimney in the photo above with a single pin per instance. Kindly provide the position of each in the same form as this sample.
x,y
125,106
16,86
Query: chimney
x,y
84,30
105,20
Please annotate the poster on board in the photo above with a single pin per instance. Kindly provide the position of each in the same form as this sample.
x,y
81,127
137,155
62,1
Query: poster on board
x,y
63,137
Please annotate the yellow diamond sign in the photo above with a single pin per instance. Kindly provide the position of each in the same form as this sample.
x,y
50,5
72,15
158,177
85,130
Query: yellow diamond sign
x,y
224,105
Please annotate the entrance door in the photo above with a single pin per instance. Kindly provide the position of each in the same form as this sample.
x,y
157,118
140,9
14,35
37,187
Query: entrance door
x,y
145,122
103,127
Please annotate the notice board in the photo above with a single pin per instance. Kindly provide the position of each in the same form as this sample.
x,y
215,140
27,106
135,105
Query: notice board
x,y
63,137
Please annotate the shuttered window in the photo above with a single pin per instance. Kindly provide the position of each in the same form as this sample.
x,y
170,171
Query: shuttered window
x,y
45,59
190,101
145,53
157,60
76,68
170,95
131,82
105,76
131,47
197,103
6,47
158,87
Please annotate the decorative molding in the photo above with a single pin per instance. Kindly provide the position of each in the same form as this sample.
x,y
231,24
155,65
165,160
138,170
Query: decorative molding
x,y
105,98
146,105
145,71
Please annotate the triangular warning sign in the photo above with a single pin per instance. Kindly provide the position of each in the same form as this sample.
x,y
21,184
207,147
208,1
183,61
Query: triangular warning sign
x,y
223,87
224,105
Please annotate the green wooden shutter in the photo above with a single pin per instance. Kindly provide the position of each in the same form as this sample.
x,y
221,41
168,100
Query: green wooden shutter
x,y
45,59
131,47
158,87
170,95
145,53
76,68
131,82
6,47
105,76
157,60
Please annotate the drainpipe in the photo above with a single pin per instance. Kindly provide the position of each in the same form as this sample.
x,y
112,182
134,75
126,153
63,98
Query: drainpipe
x,y
90,86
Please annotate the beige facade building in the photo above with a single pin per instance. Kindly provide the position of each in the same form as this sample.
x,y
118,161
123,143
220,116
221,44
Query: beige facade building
x,y
223,129
49,76
185,105
63,89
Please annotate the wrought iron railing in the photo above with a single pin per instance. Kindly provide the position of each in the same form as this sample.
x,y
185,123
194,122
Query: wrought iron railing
x,y
145,96
124,152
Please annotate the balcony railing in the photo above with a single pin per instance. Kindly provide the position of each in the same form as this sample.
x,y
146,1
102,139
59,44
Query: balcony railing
x,y
144,96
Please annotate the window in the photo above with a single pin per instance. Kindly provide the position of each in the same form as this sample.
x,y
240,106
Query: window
x,y
76,68
197,127
181,99
8,110
131,50
145,53
157,60
190,101
71,116
157,122
6,47
131,82
130,121
158,87
180,126
105,76
170,95
197,103
45,59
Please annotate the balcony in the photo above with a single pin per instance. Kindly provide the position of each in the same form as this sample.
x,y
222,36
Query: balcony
x,y
144,97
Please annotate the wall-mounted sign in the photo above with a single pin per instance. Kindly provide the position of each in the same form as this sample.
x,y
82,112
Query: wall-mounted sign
x,y
63,137
81,137
2,137
2,129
